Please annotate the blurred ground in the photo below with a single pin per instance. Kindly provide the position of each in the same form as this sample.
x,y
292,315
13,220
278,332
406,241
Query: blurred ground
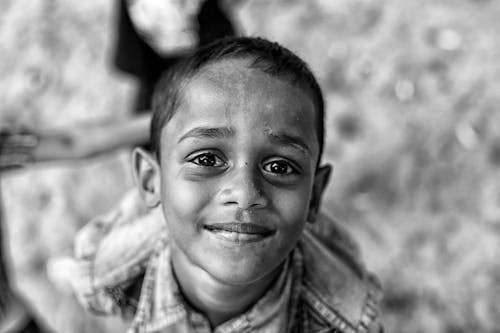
x,y
413,131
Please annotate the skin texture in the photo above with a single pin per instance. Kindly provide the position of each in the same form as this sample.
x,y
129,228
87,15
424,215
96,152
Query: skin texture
x,y
242,148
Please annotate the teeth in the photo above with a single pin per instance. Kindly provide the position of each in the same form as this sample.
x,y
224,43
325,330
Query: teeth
x,y
236,236
242,228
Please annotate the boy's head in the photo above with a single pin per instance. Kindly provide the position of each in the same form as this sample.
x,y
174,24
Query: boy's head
x,y
238,133
270,58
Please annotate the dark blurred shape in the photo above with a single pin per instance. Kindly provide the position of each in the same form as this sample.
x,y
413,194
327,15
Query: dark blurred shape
x,y
135,56
30,327
400,301
336,76
349,126
5,294
438,65
494,153
15,147
372,16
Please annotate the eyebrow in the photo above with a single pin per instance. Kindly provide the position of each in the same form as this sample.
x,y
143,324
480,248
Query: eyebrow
x,y
227,132
208,133
290,140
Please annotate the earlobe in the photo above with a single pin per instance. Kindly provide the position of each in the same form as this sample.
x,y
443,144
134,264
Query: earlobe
x,y
320,181
147,176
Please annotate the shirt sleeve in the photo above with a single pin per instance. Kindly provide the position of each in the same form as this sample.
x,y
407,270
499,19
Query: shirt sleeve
x,y
370,319
111,253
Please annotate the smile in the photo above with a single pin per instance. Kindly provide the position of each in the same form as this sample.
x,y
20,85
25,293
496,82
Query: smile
x,y
239,232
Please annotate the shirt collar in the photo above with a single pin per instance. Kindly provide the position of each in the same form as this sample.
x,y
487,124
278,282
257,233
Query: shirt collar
x,y
162,305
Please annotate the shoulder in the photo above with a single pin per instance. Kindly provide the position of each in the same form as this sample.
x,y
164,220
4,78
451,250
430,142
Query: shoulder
x,y
336,285
112,253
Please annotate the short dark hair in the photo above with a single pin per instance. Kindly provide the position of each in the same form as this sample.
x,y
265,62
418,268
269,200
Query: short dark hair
x,y
269,57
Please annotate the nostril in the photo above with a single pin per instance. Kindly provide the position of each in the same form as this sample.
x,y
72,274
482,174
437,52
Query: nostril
x,y
243,190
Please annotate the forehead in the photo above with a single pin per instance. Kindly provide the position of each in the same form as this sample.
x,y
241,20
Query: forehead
x,y
229,93
238,75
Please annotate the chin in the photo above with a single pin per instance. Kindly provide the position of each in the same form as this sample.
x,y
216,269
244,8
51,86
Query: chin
x,y
238,273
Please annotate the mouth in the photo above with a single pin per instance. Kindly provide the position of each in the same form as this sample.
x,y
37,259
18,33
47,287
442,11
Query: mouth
x,y
239,232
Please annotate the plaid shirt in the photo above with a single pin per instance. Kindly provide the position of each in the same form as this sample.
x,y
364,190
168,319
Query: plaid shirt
x,y
161,307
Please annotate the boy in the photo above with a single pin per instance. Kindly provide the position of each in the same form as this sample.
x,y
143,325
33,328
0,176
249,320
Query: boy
x,y
237,136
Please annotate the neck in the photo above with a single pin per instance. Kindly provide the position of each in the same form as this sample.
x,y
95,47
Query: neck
x,y
219,301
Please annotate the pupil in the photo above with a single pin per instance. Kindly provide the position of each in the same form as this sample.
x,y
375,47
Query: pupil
x,y
278,167
207,160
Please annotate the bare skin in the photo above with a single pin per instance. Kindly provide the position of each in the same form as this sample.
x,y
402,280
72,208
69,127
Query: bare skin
x,y
218,300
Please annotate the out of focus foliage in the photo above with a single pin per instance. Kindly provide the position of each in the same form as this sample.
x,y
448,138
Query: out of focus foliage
x,y
413,132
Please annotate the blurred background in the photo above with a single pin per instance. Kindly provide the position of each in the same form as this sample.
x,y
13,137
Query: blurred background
x,y
413,131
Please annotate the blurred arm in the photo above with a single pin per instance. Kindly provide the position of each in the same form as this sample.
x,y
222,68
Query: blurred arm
x,y
87,141
18,148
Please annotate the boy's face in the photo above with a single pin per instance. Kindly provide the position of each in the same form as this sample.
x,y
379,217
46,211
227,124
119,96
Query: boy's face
x,y
238,165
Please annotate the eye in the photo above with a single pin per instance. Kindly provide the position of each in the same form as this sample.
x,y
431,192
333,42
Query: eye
x,y
209,160
279,167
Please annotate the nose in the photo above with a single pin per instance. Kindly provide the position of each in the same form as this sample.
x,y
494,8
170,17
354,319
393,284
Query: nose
x,y
244,189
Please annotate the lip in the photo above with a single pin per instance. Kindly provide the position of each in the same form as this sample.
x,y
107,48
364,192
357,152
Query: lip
x,y
239,232
241,228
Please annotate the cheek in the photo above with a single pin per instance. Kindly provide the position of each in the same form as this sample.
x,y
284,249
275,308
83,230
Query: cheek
x,y
183,200
293,209
294,205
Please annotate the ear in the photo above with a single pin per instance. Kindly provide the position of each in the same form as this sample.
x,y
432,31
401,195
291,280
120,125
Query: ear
x,y
321,179
147,176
